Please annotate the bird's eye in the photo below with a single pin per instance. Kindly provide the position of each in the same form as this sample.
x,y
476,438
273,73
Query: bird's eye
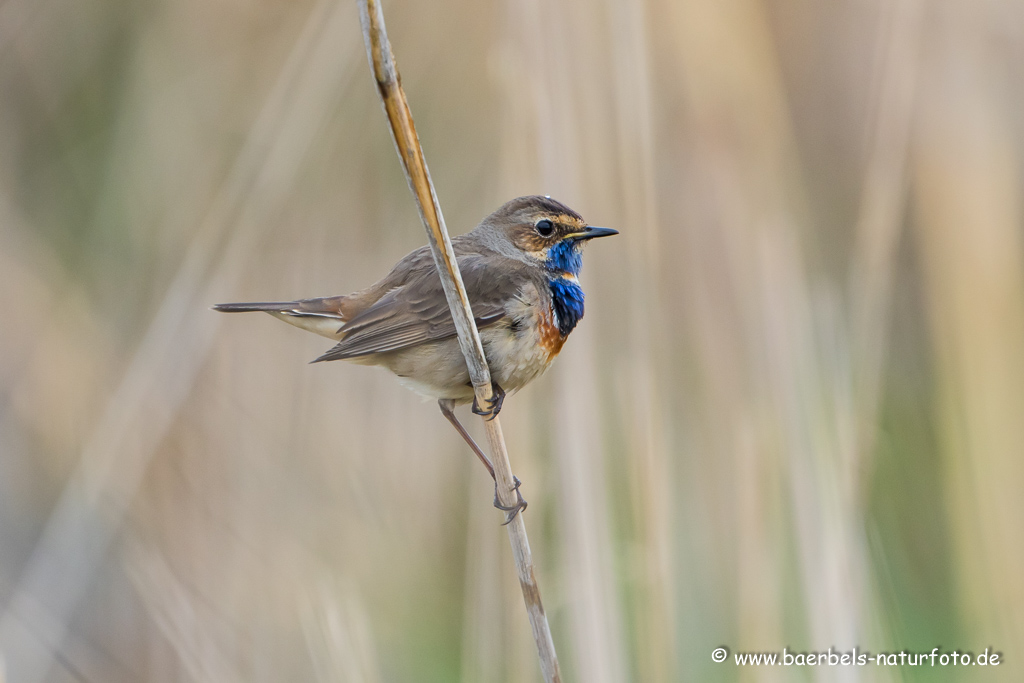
x,y
545,228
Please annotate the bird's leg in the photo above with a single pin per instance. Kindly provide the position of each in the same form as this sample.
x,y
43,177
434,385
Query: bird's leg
x,y
513,509
446,407
493,403
446,410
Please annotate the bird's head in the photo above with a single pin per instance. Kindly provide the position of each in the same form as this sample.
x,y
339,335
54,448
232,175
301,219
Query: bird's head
x,y
542,231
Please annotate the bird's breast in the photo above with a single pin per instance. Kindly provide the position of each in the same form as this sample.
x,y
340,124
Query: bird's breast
x,y
523,346
549,336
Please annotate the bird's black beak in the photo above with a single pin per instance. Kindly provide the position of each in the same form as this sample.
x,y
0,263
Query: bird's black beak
x,y
591,232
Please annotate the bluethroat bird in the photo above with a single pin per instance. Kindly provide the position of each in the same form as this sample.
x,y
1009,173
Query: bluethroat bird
x,y
520,268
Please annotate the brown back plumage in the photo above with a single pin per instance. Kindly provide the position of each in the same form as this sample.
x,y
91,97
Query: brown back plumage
x,y
408,307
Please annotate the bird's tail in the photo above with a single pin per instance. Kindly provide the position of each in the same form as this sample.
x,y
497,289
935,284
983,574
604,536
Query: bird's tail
x,y
268,306
322,316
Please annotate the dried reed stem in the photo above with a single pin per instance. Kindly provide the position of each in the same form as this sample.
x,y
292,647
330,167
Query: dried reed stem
x,y
407,143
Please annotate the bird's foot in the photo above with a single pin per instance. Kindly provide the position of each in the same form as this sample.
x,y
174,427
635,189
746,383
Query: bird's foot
x,y
493,403
513,509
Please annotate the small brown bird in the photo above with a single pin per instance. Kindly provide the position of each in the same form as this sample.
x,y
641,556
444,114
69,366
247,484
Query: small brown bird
x,y
520,268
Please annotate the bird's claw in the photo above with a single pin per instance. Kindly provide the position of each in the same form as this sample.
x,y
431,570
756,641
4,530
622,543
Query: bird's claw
x,y
513,509
493,403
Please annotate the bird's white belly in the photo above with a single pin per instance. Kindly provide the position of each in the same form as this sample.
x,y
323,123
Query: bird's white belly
x,y
521,347
518,348
515,359
439,370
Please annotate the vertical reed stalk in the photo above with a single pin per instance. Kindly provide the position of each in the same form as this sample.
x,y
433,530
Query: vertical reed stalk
x,y
651,464
880,221
407,143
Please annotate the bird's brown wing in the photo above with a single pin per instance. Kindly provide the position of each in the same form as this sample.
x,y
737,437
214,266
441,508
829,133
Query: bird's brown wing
x,y
416,311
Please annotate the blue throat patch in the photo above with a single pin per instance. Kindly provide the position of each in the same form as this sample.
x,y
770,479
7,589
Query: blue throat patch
x,y
566,295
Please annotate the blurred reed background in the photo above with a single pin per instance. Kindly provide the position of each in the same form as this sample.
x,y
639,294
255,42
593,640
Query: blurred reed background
x,y
793,416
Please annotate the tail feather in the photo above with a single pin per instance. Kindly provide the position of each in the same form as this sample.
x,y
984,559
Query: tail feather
x,y
321,316
257,306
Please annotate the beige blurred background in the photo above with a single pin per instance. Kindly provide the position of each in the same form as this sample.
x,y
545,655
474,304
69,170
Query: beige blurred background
x,y
793,416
